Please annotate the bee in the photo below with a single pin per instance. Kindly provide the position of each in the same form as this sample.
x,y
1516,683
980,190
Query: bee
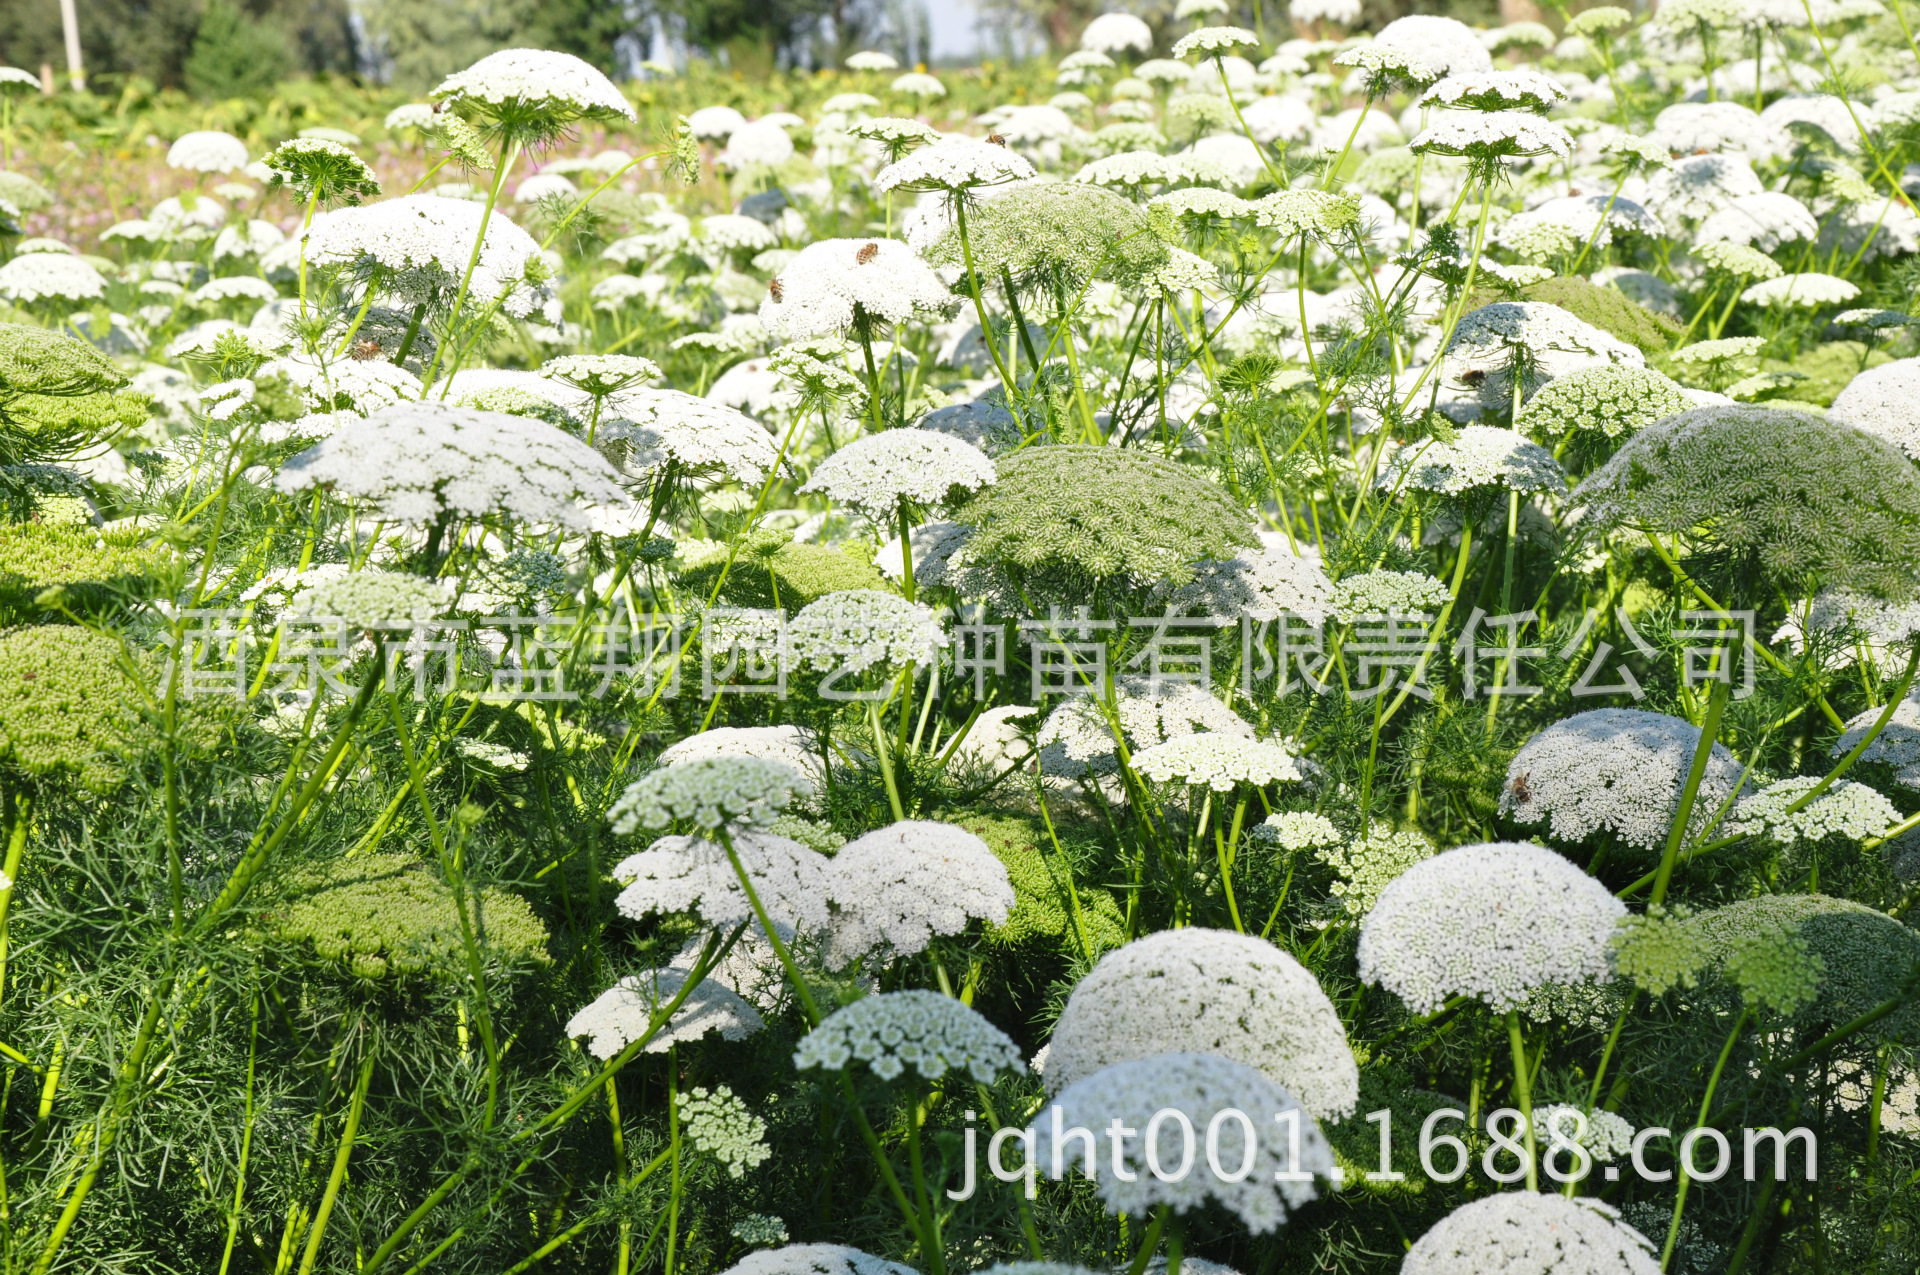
x,y
867,253
1522,794
775,291
996,139
369,348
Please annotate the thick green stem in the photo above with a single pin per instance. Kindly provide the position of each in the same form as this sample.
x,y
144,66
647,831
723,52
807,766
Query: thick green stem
x,y
339,1174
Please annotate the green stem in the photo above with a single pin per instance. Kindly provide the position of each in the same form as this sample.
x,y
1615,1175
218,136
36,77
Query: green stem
x,y
339,1174
1523,1091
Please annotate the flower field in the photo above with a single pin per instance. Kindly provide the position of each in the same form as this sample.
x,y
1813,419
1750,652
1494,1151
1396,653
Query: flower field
x,y
1265,648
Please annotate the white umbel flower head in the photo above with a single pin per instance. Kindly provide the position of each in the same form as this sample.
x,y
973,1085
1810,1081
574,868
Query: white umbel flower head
x,y
1419,50
420,463
1700,185
1607,1136
1493,135
1519,90
1217,761
715,123
1552,342
1528,1233
919,84
1807,291
1847,809
761,144
50,276
1387,592
816,1259
898,887
956,164
1117,33
1343,13
836,285
1618,771
1174,1099
1216,992
697,435
422,244
1693,128
621,1014
711,793
931,1033
1884,401
872,60
1763,221
1298,830
877,473
208,151
1480,456
689,874
1489,921
854,630
601,374
535,87
1209,41
791,746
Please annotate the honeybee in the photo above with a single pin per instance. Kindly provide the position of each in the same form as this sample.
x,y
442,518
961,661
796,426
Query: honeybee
x,y
775,291
363,350
867,253
996,139
1522,794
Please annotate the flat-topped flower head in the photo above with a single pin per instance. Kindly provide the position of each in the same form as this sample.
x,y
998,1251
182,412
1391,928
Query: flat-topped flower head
x,y
1112,33
816,1259
50,276
1307,212
1609,399
1217,761
1884,401
1532,342
1849,810
1693,128
872,60
623,1013
714,792
1529,1233
1257,583
841,286
897,888
897,136
1417,50
533,94
955,164
1521,90
1217,992
679,874
208,151
1698,185
1737,259
1387,592
1490,136
321,171
930,1033
1297,830
421,245
1616,772
854,630
1598,21
1214,41
1479,456
1488,921
920,85
697,435
1807,291
600,374
375,599
878,473
1199,1088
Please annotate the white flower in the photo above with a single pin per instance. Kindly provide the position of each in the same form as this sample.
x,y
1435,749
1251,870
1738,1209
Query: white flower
x,y
1731,347
877,473
1227,157
544,186
1215,992
836,284
853,630
621,1014
890,1032
1689,128
791,746
1521,89
1699,185
1884,401
1847,809
1480,456
1764,221
731,232
1386,592
1342,13
370,599
1527,1233
240,287
762,143
1199,1087
1579,219
208,151
1297,830
721,1125
1419,49
1841,123
600,374
872,60
1135,168
253,238
189,216
698,435
1494,134
1488,921
816,1259
1279,119
413,115
919,84
690,874
1184,272
1618,771
1481,354
1258,583
934,543
1076,739
1606,1137
897,887
1217,761
422,244
518,81
1897,745
715,123
1117,33
1211,40
1803,291
1365,868
418,463
44,276
959,163
1874,628
709,793
350,385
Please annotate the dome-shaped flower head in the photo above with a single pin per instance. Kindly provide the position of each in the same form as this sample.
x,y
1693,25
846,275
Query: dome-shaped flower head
x,y
1823,960
321,171
1055,237
715,123
792,746
1615,772
600,374
1849,810
1217,761
957,164
1696,128
1565,224
421,245
691,874
761,144
894,1031
1610,399
872,60
1342,13
1203,1092
1489,921
623,1013
854,630
1256,583
1214,41
1486,138
1529,1233
878,473
1480,456
919,84
64,705
841,286
1831,118
208,151
1216,992
897,887
1518,90
50,276
1531,340
1418,50
533,95
712,793
1699,185
697,435
1884,401
1804,501
425,463
1807,291
816,1259
1117,33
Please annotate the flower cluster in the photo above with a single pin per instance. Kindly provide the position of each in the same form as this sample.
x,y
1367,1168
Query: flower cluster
x,y
709,792
1364,868
931,1033
897,888
720,1124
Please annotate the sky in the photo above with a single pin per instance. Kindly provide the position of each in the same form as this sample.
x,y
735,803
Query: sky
x,y
954,34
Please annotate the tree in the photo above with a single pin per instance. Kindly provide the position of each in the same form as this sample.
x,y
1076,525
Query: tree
x,y
235,54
